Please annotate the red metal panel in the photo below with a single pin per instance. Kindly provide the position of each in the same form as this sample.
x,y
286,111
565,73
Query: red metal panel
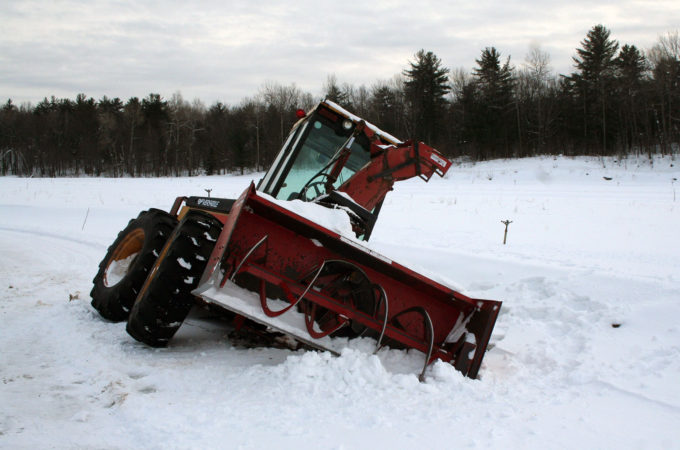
x,y
221,245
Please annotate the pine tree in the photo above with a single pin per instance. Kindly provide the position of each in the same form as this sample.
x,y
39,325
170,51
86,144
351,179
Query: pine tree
x,y
385,109
155,114
595,60
594,82
631,67
494,82
491,121
426,86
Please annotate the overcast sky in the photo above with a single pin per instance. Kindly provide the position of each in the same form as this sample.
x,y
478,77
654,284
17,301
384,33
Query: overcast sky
x,y
226,50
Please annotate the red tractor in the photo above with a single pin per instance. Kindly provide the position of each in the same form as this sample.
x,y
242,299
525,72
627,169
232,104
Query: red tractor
x,y
288,256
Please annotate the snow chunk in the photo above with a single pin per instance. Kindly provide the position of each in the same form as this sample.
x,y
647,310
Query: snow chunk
x,y
335,220
117,270
183,263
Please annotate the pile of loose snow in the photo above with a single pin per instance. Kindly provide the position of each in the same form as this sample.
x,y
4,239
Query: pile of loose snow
x,y
586,351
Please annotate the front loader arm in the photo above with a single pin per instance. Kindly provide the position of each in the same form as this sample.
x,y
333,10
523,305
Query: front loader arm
x,y
389,163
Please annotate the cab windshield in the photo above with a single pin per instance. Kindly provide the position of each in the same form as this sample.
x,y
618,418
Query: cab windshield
x,y
313,156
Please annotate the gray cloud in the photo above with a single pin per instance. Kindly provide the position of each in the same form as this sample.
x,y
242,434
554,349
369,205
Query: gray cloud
x,y
217,50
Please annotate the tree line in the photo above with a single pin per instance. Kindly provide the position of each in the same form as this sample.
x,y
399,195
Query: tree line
x,y
618,101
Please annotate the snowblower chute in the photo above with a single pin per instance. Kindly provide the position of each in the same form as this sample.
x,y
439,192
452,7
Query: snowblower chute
x,y
288,256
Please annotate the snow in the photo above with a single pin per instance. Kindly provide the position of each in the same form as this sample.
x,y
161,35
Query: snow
x,y
247,304
335,220
183,263
584,254
117,270
356,119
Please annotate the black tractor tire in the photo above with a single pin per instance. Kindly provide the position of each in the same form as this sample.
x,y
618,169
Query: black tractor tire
x,y
128,261
165,299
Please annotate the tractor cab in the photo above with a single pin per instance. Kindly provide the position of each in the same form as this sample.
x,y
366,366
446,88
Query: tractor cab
x,y
301,169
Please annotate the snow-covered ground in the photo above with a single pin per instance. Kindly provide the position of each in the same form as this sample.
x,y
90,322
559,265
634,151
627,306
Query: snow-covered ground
x,y
593,243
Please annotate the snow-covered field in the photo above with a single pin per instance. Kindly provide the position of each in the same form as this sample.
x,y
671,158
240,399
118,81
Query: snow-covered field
x,y
586,350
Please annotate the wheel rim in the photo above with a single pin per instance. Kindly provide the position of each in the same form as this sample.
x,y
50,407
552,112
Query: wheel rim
x,y
123,257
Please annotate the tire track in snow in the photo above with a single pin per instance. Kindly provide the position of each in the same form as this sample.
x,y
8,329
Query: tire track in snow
x,y
637,395
47,234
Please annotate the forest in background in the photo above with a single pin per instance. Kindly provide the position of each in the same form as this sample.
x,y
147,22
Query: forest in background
x,y
620,100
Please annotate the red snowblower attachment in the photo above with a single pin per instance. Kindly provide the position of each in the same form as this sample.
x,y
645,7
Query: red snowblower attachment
x,y
313,283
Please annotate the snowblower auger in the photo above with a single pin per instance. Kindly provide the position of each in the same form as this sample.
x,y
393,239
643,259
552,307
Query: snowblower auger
x,y
287,259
